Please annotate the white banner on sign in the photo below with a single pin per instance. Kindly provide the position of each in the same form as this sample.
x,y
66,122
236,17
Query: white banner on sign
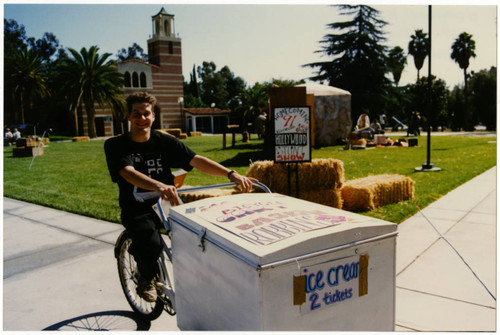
x,y
331,283
292,134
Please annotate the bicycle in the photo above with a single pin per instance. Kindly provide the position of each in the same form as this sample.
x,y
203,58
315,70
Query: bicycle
x,y
129,274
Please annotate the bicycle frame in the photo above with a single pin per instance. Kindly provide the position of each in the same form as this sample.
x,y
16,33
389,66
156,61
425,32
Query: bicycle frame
x,y
165,280
166,255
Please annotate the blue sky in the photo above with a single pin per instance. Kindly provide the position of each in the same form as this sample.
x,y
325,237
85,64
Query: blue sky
x,y
260,42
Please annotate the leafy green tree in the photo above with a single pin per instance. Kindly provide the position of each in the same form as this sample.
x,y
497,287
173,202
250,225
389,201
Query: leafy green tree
x,y
235,86
396,62
91,79
133,52
25,79
220,87
483,91
192,92
213,86
255,101
47,47
14,37
456,108
418,47
359,62
418,101
462,50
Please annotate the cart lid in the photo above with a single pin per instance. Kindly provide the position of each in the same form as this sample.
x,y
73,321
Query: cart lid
x,y
265,228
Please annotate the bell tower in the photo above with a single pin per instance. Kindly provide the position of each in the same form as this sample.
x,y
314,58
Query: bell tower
x,y
165,53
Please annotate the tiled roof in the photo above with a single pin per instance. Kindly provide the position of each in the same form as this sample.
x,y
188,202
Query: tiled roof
x,y
136,60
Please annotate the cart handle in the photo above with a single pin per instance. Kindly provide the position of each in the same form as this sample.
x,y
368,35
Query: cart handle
x,y
198,188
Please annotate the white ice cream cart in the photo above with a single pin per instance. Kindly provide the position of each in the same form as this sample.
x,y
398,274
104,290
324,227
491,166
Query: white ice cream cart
x,y
272,262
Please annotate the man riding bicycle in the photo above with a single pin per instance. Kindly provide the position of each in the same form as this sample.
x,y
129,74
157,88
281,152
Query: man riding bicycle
x,y
140,161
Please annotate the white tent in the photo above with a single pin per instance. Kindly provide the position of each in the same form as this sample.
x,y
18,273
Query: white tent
x,y
332,113
322,90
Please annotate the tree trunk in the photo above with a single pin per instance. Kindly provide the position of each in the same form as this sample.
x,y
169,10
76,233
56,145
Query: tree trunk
x,y
75,113
89,107
466,121
21,103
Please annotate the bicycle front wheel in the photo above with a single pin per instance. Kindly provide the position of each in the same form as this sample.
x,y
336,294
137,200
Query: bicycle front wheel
x,y
129,278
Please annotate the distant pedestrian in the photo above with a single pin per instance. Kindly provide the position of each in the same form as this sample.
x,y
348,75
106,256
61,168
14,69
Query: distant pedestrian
x,y
260,125
16,134
8,134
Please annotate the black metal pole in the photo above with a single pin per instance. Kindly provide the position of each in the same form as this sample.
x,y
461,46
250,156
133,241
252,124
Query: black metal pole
x,y
429,166
429,93
297,194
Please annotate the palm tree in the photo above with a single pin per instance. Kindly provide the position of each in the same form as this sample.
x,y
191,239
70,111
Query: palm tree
x,y
462,50
91,79
419,49
25,76
396,61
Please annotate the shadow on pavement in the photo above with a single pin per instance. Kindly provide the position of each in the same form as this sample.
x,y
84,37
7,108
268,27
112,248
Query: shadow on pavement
x,y
103,321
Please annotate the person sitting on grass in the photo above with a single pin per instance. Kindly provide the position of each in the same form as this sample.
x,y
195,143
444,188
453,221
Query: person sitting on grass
x,y
140,162
363,125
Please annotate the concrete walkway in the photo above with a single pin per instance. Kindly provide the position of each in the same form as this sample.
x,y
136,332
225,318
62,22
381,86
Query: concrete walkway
x,y
60,273
436,290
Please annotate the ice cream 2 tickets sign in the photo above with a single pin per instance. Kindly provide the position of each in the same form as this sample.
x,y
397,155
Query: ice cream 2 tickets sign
x,y
292,134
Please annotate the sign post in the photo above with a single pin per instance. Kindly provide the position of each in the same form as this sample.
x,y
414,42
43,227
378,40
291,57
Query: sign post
x,y
292,138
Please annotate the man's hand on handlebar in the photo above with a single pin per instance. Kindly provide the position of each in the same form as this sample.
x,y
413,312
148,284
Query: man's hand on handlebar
x,y
169,193
245,183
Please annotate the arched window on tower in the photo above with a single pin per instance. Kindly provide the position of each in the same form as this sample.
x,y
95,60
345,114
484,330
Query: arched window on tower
x,y
166,25
127,79
157,28
143,79
135,79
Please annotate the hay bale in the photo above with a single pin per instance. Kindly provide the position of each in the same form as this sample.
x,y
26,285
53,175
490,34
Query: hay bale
x,y
27,151
332,198
81,139
358,142
182,136
195,133
31,141
173,131
202,194
375,191
319,174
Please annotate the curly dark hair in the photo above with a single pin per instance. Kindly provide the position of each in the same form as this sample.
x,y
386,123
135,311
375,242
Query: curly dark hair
x,y
140,97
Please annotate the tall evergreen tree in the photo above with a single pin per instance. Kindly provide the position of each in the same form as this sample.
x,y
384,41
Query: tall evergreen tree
x,y
359,62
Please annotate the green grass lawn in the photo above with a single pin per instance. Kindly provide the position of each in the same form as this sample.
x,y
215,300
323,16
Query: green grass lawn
x,y
73,176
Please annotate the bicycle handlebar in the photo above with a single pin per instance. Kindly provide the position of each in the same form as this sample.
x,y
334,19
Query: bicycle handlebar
x,y
198,188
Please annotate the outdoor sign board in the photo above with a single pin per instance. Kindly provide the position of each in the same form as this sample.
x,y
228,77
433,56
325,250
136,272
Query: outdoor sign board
x,y
292,134
332,283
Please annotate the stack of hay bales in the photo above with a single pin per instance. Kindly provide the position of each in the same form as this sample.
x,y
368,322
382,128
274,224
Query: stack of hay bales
x,y
320,181
80,139
368,193
29,146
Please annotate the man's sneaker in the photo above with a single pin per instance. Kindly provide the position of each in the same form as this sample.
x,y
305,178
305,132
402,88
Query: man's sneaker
x,y
147,290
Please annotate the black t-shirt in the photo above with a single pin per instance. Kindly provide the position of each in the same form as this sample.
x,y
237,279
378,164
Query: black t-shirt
x,y
155,158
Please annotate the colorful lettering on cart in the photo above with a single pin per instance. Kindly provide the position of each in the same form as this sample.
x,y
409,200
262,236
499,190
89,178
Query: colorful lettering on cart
x,y
330,283
265,222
